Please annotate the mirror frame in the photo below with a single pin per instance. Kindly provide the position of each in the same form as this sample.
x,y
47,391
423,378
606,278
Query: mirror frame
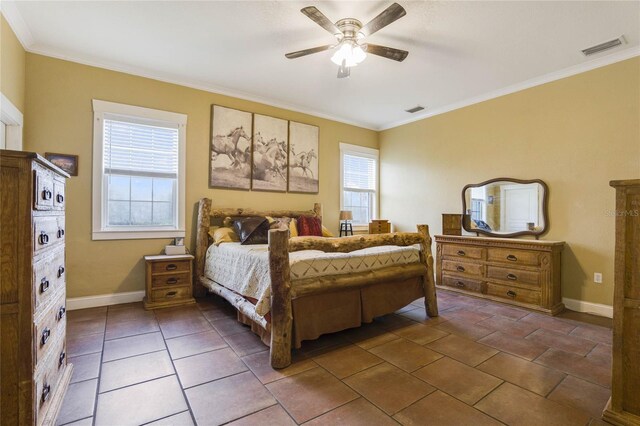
x,y
545,208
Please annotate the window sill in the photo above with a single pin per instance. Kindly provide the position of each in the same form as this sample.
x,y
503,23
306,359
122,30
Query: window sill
x,y
136,235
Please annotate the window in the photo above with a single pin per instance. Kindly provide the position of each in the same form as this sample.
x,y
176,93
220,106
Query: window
x,y
139,168
359,176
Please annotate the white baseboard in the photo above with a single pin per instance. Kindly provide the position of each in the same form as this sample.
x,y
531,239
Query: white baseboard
x,y
588,307
104,300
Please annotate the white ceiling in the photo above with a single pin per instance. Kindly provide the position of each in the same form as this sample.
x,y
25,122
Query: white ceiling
x,y
460,52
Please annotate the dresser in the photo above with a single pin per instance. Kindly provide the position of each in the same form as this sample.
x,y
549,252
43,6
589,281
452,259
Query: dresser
x,y
168,281
33,365
518,272
379,226
624,406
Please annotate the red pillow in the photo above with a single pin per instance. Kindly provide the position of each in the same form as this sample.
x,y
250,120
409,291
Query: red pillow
x,y
309,226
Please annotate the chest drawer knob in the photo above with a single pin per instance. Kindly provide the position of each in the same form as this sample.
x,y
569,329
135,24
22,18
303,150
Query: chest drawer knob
x,y
512,277
60,271
171,294
460,284
461,253
460,268
172,267
44,285
45,336
46,390
46,194
43,238
61,312
172,280
512,258
511,293
59,198
60,232
61,358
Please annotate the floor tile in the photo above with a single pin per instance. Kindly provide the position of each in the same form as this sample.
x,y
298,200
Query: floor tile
x,y
584,318
246,343
503,311
136,369
508,326
129,314
368,335
208,366
581,394
514,345
78,401
85,367
344,362
420,333
88,326
458,380
594,333
443,410
563,342
464,315
359,412
544,321
584,368
84,314
153,400
310,394
260,365
215,403
388,387
393,322
513,405
84,422
272,416
82,345
469,330
461,349
405,354
133,345
193,344
116,330
177,313
526,374
218,314
420,315
183,326
601,354
324,344
180,419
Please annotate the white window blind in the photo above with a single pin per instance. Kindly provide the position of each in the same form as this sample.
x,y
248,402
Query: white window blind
x,y
359,170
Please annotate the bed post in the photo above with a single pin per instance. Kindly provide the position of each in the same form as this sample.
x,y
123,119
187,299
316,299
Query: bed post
x,y
281,314
430,301
202,243
317,208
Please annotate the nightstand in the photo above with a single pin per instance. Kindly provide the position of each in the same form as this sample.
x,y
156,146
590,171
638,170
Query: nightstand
x,y
168,281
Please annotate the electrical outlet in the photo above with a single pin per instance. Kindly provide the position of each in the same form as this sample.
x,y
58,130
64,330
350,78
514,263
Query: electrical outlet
x,y
597,277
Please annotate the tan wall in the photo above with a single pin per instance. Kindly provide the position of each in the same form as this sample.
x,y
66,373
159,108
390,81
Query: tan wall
x,y
576,134
12,65
60,120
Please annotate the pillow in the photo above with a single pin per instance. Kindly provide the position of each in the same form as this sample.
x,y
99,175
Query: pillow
x,y
293,228
309,226
252,230
224,235
326,232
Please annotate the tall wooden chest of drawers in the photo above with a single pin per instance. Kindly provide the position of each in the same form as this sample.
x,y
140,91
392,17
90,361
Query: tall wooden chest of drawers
x,y
519,272
34,369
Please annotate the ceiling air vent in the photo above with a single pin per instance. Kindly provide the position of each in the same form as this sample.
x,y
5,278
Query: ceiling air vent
x,y
603,46
414,109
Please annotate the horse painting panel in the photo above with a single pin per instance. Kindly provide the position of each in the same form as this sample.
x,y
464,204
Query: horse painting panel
x,y
230,160
303,158
270,140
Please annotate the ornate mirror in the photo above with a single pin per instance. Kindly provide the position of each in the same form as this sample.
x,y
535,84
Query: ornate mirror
x,y
505,207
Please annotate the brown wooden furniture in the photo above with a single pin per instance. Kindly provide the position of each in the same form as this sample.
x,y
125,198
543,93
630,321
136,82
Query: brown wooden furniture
x,y
289,304
624,406
168,281
451,224
519,272
379,226
34,371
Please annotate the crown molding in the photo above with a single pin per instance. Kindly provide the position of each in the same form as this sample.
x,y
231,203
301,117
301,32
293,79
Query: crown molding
x,y
17,24
536,81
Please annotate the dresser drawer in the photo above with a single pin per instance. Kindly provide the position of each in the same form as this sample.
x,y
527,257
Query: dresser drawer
x,y
163,280
48,277
474,269
48,378
50,326
513,293
468,284
47,232
513,257
170,294
171,266
43,197
460,251
515,275
58,194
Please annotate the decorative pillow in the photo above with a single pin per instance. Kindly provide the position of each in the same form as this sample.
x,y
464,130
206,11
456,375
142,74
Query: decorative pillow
x,y
309,226
326,232
252,230
224,235
293,228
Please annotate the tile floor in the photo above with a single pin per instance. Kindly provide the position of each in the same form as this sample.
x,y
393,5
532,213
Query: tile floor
x,y
478,363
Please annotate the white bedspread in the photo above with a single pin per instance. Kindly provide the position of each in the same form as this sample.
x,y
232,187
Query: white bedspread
x,y
245,269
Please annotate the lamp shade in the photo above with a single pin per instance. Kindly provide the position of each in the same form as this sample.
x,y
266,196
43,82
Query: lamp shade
x,y
346,215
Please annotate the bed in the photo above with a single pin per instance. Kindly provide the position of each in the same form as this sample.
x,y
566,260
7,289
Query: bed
x,y
300,288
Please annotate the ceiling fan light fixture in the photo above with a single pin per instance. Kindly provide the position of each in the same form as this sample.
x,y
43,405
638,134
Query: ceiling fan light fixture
x,y
348,52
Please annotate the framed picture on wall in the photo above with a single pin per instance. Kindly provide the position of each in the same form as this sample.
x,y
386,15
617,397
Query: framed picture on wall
x,y
270,145
230,159
303,158
67,162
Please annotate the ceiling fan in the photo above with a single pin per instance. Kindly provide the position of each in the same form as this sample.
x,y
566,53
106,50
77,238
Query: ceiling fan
x,y
349,51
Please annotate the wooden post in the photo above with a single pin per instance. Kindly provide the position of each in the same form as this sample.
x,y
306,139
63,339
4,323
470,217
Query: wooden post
x,y
430,300
281,314
202,243
317,208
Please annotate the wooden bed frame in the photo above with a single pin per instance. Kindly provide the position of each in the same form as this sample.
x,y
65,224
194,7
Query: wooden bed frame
x,y
282,293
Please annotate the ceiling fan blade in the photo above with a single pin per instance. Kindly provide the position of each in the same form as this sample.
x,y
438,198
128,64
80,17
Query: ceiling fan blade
x,y
387,52
389,15
305,52
318,17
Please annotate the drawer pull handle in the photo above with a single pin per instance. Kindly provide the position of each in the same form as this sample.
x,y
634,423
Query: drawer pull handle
x,y
460,268
61,358
512,277
512,258
171,294
61,312
461,253
45,336
511,293
46,390
172,267
60,232
460,284
60,198
44,285
60,271
46,194
43,238
172,280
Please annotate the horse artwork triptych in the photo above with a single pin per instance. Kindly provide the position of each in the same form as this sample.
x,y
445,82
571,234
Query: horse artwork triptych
x,y
254,151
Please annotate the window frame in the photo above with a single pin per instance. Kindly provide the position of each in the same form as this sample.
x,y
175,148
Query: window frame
x,y
362,151
100,230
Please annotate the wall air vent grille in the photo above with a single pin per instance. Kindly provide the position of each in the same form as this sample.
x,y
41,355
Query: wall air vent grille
x,y
414,109
603,46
